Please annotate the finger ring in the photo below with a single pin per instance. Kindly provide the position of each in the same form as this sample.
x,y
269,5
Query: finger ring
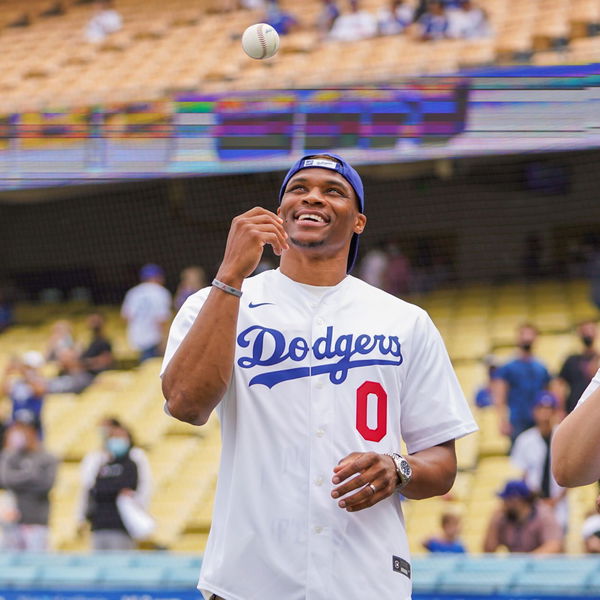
x,y
373,488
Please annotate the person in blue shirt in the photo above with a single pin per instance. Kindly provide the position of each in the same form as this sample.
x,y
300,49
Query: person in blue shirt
x,y
434,22
517,384
281,21
449,540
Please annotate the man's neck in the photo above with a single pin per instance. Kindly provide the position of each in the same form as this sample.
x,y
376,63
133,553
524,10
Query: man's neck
x,y
314,272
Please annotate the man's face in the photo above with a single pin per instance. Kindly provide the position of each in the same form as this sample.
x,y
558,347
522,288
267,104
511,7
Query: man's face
x,y
544,416
320,211
513,506
526,336
588,330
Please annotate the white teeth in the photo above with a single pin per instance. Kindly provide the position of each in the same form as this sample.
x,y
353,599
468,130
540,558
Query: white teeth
x,y
311,217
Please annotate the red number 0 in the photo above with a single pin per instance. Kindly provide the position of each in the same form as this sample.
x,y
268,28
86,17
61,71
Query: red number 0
x,y
362,401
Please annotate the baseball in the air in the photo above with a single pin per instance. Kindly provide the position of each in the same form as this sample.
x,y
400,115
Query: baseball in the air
x,y
260,41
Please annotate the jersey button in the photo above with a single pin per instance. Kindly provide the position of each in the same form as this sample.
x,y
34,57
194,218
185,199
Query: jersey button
x,y
319,385
319,481
320,432
318,529
320,321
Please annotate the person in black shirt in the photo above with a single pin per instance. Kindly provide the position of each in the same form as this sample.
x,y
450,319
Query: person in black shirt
x,y
118,474
578,369
98,356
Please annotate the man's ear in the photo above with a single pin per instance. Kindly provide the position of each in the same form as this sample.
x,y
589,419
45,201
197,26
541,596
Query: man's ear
x,y
360,223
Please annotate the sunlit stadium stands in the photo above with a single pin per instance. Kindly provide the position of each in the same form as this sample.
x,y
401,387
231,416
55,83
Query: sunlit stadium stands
x,y
475,320
163,48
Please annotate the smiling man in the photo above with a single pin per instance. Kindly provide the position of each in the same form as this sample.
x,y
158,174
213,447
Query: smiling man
x,y
318,378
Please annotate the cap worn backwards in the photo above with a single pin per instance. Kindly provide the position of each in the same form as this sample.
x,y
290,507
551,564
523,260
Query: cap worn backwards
x,y
334,163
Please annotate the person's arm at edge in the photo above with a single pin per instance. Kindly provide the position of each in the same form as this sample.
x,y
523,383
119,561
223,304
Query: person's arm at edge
x,y
575,454
197,376
499,389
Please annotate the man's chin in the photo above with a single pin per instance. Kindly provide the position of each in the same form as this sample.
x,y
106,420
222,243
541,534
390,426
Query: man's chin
x,y
306,243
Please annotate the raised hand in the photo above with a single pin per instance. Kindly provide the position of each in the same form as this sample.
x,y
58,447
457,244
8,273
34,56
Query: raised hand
x,y
247,237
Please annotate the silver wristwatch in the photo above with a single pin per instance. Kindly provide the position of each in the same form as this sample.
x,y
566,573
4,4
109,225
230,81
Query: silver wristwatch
x,y
402,468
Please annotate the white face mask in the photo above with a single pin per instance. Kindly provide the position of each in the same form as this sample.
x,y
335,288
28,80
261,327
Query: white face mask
x,y
17,440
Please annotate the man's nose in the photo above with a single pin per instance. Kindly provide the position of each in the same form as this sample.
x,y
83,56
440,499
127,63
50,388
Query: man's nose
x,y
314,196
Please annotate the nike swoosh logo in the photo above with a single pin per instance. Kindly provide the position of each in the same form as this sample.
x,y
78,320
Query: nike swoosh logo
x,y
252,305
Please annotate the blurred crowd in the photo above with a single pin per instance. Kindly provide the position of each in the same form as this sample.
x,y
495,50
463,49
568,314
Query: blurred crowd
x,y
341,20
348,21
116,481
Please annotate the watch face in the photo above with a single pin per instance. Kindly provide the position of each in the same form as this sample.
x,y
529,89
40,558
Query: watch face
x,y
405,468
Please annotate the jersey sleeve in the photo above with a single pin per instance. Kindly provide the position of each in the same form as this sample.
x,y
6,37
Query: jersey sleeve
x,y
433,407
591,388
182,323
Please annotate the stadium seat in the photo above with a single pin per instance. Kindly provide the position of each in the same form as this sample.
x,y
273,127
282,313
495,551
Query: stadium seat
x,y
474,582
65,576
19,576
140,577
561,582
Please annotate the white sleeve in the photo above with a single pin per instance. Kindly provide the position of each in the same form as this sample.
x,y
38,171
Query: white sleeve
x,y
591,388
518,454
182,323
126,306
143,492
90,465
433,407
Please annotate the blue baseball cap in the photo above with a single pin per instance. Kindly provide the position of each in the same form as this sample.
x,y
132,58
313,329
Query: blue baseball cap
x,y
338,164
515,488
151,270
545,398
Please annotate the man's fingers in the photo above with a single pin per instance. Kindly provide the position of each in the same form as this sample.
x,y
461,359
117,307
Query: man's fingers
x,y
352,464
267,234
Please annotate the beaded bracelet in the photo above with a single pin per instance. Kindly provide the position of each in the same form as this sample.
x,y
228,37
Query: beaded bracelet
x,y
227,288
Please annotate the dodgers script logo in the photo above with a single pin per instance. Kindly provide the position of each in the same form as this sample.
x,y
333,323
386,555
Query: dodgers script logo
x,y
269,347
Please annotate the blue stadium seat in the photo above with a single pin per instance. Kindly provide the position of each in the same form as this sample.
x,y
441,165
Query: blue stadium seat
x,y
45,558
560,583
425,582
7,559
183,576
165,559
557,564
484,582
19,576
435,562
593,585
139,577
513,563
64,576
109,560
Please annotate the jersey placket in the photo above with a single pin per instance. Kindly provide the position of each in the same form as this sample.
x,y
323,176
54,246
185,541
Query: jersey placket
x,y
320,535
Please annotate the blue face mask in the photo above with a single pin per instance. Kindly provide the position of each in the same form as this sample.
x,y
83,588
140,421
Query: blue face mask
x,y
117,446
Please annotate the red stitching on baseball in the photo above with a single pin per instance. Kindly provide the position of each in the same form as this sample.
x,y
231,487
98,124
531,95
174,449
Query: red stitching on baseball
x,y
262,40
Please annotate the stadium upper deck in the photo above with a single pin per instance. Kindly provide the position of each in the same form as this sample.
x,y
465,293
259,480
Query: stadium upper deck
x,y
166,47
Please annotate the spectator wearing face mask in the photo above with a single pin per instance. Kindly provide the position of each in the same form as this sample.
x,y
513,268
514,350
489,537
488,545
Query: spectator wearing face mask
x,y
119,468
516,385
578,369
28,471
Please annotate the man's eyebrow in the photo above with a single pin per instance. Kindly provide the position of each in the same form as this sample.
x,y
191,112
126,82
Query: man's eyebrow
x,y
339,182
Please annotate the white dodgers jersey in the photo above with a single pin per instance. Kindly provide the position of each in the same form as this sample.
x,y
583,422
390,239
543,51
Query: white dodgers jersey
x,y
319,372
